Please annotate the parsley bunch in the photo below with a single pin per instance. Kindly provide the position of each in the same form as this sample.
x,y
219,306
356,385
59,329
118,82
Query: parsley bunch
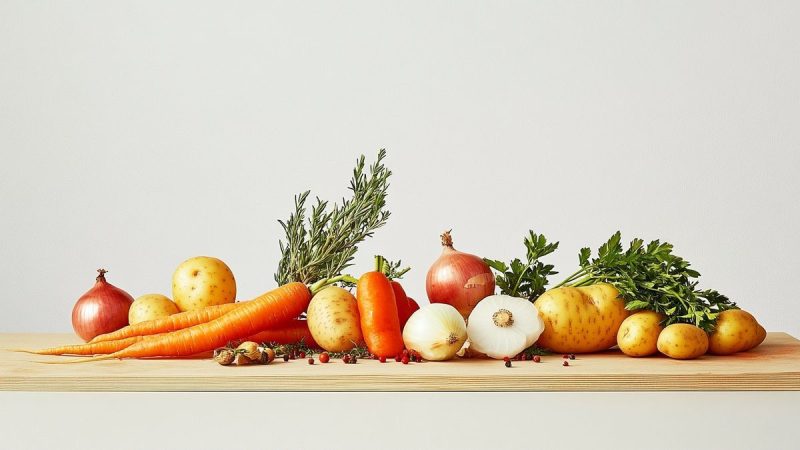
x,y
651,277
525,279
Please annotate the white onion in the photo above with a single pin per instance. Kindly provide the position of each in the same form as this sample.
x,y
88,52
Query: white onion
x,y
503,326
436,331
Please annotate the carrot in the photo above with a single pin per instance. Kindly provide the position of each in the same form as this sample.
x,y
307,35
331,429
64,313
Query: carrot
x,y
272,309
380,323
291,333
405,304
174,322
96,348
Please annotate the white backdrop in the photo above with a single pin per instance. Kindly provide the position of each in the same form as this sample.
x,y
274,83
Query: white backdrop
x,y
135,135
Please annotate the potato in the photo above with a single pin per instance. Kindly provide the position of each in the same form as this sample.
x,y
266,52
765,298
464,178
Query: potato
x,y
736,331
149,307
580,320
638,334
683,341
333,319
202,281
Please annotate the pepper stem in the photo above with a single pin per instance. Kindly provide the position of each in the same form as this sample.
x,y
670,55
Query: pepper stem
x,y
503,318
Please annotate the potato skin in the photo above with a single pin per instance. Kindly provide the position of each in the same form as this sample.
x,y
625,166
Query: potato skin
x,y
638,334
580,320
149,307
683,341
202,281
333,319
736,331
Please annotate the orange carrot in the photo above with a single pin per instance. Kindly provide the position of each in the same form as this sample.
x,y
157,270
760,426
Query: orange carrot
x,y
380,323
174,322
96,348
272,309
291,333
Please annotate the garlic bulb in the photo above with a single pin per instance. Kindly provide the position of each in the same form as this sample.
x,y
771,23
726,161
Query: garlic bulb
x,y
436,331
501,325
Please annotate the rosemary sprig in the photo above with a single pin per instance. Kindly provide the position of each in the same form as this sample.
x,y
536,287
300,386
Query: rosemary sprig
x,y
651,277
322,246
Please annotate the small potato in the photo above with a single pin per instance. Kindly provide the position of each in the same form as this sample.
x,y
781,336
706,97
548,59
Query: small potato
x,y
333,319
580,320
683,341
149,307
638,334
736,331
202,281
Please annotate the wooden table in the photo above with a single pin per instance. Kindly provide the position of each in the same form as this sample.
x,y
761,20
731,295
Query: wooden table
x,y
775,365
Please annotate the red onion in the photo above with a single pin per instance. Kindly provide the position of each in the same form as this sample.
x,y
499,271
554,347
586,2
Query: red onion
x,y
102,309
458,279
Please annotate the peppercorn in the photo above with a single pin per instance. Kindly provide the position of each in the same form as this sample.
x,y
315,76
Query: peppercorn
x,y
346,359
286,357
572,356
311,361
537,358
508,363
382,359
565,364
404,360
324,357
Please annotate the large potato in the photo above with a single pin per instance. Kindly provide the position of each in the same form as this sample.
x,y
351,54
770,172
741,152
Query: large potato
x,y
580,320
333,319
149,307
638,334
736,331
683,341
202,281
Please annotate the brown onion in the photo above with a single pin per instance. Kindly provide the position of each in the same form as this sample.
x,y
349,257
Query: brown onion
x,y
102,309
458,279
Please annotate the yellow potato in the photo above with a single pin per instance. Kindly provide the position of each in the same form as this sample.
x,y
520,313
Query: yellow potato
x,y
333,319
149,307
736,331
683,341
580,320
638,334
202,281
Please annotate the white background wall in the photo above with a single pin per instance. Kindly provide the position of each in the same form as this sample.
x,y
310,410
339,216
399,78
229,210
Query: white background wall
x,y
137,134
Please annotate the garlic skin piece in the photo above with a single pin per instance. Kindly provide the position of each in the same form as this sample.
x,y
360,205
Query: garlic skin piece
x,y
436,331
501,325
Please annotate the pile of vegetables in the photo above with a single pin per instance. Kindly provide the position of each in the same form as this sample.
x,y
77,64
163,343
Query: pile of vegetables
x,y
644,299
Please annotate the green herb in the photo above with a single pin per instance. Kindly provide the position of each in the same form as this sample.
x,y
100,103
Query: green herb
x,y
651,277
391,269
322,247
525,279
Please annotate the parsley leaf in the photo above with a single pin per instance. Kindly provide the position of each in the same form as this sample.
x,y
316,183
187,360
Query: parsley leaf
x,y
525,279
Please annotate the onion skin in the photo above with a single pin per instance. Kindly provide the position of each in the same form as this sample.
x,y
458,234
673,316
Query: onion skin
x,y
458,279
102,309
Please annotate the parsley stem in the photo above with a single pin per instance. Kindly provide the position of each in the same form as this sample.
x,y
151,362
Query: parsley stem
x,y
571,278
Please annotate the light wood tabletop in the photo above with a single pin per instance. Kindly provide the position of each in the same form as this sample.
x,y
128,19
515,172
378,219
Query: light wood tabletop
x,y
775,365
